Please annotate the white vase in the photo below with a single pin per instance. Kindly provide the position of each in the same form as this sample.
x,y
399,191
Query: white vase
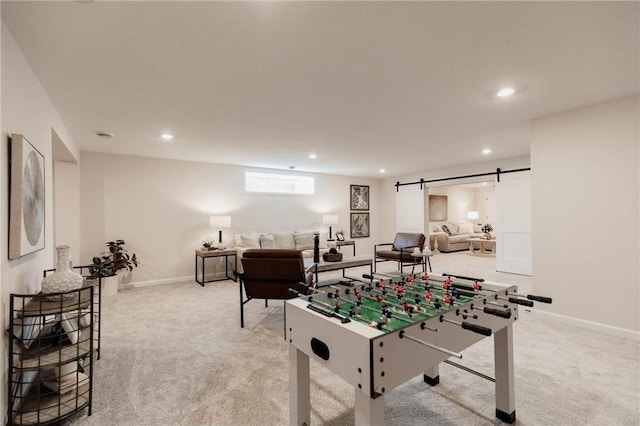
x,y
64,278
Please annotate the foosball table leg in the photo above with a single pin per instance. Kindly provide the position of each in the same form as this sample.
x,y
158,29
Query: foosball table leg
x,y
432,375
505,386
369,411
299,389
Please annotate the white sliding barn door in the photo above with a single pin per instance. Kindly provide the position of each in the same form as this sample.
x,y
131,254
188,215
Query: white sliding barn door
x,y
410,209
513,223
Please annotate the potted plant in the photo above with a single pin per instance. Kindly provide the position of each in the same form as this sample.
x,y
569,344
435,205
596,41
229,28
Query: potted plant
x,y
115,259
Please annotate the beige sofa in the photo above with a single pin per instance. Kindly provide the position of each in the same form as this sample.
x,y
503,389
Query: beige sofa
x,y
456,239
293,240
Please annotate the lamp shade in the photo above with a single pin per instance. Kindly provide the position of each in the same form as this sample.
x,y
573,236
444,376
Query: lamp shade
x,y
473,215
330,219
220,222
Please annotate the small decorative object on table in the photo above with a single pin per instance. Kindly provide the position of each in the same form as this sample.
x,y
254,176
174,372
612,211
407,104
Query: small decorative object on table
x,y
340,235
208,244
487,231
64,279
332,256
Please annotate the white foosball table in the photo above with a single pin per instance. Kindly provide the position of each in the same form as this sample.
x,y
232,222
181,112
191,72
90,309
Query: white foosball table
x,y
380,333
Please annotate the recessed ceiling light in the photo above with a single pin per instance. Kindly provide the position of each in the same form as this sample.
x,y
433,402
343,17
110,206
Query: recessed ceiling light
x,y
166,136
313,156
505,92
382,170
486,151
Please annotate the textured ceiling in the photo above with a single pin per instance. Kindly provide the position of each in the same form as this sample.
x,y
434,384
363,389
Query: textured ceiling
x,y
403,86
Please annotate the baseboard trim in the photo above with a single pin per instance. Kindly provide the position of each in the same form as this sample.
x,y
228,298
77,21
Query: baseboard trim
x,y
157,282
609,329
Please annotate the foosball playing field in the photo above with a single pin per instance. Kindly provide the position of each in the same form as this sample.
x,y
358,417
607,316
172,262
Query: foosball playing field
x,y
393,303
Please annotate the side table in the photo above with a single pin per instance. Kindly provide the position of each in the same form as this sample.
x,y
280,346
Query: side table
x,y
482,246
424,261
203,254
346,243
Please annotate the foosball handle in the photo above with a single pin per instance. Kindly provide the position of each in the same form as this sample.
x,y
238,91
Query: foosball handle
x,y
497,312
542,299
523,302
367,276
476,328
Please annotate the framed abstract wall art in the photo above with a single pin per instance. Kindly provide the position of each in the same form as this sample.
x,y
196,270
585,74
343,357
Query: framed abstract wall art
x,y
438,207
26,198
359,197
360,225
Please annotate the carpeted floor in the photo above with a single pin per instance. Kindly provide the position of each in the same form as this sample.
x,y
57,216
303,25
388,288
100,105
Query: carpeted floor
x,y
175,354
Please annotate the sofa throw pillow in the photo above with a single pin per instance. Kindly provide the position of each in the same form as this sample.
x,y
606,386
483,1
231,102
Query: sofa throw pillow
x,y
437,228
267,241
251,240
465,228
445,228
304,240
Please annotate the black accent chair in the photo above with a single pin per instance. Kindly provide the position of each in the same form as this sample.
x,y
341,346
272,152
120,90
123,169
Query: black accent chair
x,y
400,251
273,274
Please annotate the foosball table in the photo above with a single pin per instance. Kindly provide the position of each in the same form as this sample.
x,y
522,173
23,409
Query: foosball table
x,y
386,329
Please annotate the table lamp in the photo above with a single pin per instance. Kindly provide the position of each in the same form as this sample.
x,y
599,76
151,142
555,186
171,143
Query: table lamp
x,y
473,215
330,219
220,223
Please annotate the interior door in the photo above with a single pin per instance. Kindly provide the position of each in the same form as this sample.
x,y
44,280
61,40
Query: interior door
x,y
513,223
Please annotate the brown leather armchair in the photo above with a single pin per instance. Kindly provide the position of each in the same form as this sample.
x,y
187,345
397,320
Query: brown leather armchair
x,y
273,274
400,251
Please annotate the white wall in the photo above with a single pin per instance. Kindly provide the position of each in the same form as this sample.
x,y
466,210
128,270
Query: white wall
x,y
585,212
66,200
26,109
161,209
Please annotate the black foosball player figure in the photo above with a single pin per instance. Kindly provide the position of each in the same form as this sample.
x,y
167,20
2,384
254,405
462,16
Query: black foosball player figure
x,y
437,304
352,312
454,293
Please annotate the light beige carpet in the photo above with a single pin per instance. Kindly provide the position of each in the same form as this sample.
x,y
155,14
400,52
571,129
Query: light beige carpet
x,y
174,354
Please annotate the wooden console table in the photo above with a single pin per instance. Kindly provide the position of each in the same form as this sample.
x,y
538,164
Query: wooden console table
x,y
203,254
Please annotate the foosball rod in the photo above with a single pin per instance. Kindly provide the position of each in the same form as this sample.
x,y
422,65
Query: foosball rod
x,y
459,286
468,326
438,289
469,370
541,299
404,335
